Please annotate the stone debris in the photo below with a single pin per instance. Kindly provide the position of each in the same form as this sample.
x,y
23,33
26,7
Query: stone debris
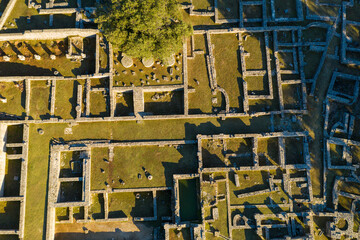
x,y
148,62
21,57
6,58
170,71
127,61
3,99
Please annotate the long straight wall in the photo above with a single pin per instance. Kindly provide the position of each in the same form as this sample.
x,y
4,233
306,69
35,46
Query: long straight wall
x,y
3,134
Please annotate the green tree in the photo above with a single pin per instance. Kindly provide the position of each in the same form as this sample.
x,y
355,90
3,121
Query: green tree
x,y
144,28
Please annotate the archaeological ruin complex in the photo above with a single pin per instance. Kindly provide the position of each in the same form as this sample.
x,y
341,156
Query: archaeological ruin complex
x,y
250,131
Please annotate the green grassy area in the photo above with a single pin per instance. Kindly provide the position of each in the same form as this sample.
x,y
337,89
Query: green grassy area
x,y
228,9
14,133
15,99
200,101
214,155
196,20
350,187
9,215
248,234
70,164
78,213
163,199
96,210
255,46
124,104
66,98
160,162
168,103
184,234
103,58
22,11
40,100
128,205
258,85
62,213
268,148
12,178
228,67
98,104
17,21
189,199
222,223
208,193
203,4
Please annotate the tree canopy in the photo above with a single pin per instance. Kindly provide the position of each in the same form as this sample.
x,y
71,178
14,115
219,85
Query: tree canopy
x,y
144,28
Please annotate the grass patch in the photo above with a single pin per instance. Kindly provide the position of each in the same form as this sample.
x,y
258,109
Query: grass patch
x,y
40,100
131,205
9,215
268,151
292,95
70,191
15,98
65,99
12,178
189,199
124,104
228,9
200,101
96,210
294,150
169,103
70,164
228,68
160,162
62,213
78,213
183,233
163,199
98,104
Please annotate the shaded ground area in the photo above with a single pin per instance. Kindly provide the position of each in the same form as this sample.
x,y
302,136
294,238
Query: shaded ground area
x,y
101,231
